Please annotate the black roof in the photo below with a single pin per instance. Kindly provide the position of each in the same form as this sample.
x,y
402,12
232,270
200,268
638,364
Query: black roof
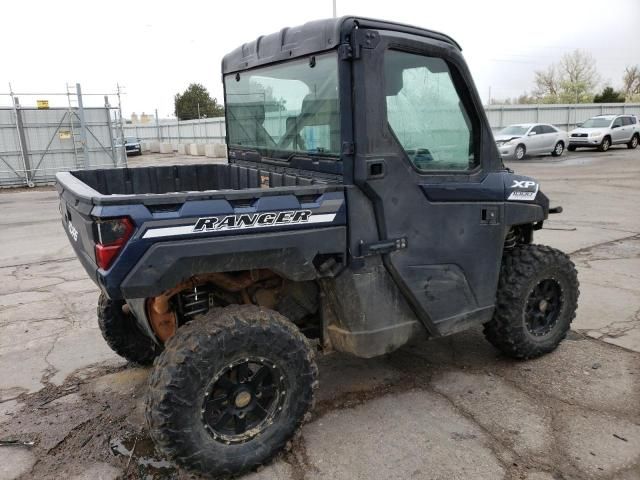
x,y
309,38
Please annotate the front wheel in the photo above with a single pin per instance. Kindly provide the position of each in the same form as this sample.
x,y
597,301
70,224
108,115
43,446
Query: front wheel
x,y
558,149
520,152
230,389
634,142
604,146
536,301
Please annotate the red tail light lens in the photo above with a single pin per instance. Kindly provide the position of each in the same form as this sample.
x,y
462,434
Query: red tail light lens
x,y
112,235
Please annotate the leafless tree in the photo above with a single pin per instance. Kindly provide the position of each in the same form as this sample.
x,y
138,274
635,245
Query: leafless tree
x,y
631,82
547,83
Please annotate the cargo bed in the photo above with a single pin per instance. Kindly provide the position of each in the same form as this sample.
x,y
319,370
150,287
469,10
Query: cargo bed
x,y
178,183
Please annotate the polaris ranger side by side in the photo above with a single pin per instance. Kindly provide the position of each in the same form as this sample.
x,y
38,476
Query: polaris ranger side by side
x,y
364,205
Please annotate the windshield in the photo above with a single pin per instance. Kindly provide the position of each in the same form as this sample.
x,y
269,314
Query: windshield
x,y
514,130
597,123
286,109
131,140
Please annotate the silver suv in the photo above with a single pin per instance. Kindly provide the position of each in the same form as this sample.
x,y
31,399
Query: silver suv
x,y
605,130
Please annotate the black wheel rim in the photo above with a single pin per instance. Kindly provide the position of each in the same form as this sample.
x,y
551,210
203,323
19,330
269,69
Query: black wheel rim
x,y
243,399
543,308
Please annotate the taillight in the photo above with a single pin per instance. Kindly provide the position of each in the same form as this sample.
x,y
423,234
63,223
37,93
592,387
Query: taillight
x,y
112,234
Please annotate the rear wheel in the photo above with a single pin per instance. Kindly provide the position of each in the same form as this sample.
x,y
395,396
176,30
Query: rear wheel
x,y
520,152
536,301
558,149
634,142
604,146
230,389
122,334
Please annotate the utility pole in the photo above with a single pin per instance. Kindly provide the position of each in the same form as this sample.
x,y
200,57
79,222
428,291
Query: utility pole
x,y
334,8
83,128
158,134
120,127
489,100
198,110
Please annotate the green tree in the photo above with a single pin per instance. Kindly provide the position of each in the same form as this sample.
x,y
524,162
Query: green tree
x,y
579,77
196,102
572,80
609,95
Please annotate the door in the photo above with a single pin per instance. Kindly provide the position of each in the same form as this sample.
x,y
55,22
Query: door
x,y
536,140
617,130
550,138
425,158
627,128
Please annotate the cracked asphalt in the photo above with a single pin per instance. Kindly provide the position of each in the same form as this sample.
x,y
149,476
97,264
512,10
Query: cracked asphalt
x,y
451,408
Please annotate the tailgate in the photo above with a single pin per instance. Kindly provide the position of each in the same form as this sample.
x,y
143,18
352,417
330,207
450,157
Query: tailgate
x,y
79,227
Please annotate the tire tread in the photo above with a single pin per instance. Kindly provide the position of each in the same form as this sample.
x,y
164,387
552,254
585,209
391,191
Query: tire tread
x,y
121,333
520,267
223,330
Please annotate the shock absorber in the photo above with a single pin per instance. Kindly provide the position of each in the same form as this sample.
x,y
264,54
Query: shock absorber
x,y
194,302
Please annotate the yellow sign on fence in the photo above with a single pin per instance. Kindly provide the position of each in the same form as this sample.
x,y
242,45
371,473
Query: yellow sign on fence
x,y
64,134
42,104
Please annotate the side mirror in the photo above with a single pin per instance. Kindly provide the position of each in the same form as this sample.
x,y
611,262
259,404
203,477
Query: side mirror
x,y
579,124
615,126
531,133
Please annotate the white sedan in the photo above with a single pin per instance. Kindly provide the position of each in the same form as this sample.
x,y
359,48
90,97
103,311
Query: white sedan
x,y
516,141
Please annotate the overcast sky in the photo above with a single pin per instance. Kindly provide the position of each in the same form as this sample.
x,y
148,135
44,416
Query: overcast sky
x,y
156,48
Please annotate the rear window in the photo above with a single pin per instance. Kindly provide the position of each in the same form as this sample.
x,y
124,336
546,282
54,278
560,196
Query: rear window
x,y
286,109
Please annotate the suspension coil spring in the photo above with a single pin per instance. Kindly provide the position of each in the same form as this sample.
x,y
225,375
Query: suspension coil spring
x,y
511,239
194,302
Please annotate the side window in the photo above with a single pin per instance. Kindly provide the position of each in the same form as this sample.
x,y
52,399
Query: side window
x,y
426,113
539,129
617,122
549,129
626,121
634,120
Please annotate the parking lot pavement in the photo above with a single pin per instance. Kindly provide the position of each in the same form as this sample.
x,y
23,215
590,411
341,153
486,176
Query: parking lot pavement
x,y
149,159
600,227
444,409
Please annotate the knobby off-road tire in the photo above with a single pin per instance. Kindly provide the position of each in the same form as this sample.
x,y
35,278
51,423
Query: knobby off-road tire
x,y
242,362
122,334
536,301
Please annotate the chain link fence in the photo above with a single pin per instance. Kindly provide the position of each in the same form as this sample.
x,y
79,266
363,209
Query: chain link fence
x,y
38,142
